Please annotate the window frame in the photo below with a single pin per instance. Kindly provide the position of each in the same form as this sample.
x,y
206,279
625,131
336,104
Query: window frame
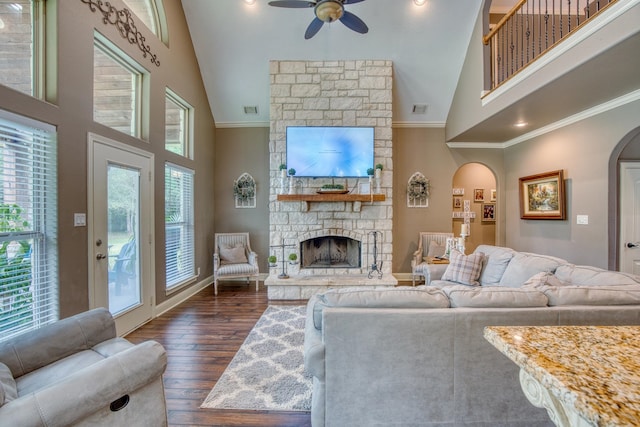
x,y
186,114
186,225
39,148
139,74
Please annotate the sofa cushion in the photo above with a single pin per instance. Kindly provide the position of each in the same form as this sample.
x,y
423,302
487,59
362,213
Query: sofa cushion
x,y
8,388
523,265
399,297
496,261
544,278
592,295
464,269
232,254
584,275
494,297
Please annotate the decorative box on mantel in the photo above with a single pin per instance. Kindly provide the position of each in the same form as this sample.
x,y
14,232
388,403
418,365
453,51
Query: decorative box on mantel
x,y
357,199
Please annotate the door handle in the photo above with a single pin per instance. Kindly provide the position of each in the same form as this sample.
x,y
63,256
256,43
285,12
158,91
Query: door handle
x,y
100,256
632,245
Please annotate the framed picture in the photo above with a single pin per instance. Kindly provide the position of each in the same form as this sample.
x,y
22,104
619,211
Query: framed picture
x,y
493,195
458,191
478,195
542,196
488,212
457,202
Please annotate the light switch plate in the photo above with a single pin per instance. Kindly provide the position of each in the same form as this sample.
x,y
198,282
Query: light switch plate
x,y
79,219
582,219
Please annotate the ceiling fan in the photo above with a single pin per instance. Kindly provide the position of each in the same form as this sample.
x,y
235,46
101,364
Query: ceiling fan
x,y
326,11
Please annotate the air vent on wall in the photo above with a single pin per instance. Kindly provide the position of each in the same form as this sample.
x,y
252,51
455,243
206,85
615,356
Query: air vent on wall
x,y
250,109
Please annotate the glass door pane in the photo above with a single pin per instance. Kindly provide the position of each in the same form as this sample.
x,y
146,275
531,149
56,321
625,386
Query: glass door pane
x,y
123,216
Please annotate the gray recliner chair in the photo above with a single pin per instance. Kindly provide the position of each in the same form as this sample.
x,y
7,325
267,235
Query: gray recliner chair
x,y
77,372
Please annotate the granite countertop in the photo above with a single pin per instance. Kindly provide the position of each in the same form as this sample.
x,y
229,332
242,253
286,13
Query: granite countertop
x,y
593,369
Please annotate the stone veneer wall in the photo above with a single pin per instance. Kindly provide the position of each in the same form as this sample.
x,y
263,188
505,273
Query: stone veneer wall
x,y
331,93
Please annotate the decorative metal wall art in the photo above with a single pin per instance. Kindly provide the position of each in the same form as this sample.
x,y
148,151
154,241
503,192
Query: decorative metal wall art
x,y
244,191
123,21
418,191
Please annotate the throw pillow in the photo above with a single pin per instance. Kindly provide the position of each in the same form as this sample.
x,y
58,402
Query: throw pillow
x,y
464,269
233,254
436,250
8,388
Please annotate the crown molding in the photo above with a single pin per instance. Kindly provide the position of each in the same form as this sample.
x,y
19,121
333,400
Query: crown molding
x,y
418,125
220,125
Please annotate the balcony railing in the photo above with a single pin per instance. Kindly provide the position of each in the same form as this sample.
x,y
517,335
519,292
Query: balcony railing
x,y
531,29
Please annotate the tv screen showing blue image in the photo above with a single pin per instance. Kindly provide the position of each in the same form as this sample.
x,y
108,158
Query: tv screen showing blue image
x,y
324,151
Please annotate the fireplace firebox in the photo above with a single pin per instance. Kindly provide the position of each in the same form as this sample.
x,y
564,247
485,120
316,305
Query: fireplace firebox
x,y
330,252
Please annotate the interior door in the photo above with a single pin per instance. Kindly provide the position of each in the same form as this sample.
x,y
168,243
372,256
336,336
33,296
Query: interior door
x,y
120,229
629,217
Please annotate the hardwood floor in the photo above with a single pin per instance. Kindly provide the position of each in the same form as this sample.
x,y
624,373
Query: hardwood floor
x,y
201,337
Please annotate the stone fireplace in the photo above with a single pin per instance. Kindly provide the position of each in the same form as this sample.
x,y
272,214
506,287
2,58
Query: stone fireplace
x,y
330,237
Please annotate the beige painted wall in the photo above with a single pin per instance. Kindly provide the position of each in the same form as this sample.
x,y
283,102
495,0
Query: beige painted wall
x,y
583,151
241,150
71,111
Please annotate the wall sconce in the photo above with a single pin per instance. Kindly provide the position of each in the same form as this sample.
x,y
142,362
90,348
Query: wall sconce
x,y
419,2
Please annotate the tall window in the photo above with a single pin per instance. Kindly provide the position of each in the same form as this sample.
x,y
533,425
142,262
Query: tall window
x,y
22,45
28,225
117,87
179,230
178,115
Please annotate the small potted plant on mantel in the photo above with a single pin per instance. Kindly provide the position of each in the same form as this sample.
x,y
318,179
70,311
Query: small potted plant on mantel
x,y
292,184
378,170
283,170
293,259
273,260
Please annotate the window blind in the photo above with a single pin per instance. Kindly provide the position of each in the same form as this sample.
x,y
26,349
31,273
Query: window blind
x,y
179,227
28,225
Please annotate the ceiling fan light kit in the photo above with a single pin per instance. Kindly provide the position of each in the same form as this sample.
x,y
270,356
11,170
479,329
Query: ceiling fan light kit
x,y
326,11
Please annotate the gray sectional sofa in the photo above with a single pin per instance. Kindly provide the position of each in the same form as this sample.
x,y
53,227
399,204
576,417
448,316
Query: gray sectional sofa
x,y
416,356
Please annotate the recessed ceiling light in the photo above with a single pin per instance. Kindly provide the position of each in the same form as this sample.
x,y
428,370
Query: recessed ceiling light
x,y
419,2
520,124
250,2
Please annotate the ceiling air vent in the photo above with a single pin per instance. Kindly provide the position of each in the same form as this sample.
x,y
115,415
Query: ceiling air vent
x,y
419,108
250,109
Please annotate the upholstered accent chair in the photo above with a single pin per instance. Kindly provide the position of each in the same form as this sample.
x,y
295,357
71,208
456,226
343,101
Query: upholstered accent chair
x,y
430,244
233,258
77,372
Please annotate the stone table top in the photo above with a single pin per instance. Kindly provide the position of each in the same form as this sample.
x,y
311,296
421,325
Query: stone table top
x,y
595,370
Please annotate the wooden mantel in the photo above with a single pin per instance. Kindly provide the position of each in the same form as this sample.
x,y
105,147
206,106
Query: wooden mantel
x,y
357,199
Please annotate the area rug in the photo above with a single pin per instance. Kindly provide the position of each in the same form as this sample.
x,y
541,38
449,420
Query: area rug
x,y
267,372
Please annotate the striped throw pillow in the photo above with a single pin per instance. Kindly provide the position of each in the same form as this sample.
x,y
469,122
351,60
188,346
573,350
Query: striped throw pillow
x,y
463,268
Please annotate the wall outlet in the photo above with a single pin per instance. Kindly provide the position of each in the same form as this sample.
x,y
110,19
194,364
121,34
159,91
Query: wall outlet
x,y
582,219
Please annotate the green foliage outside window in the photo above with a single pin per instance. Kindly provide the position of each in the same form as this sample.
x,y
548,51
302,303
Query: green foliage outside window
x,y
16,296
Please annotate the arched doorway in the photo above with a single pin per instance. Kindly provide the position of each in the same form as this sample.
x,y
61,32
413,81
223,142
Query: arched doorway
x,y
627,150
477,185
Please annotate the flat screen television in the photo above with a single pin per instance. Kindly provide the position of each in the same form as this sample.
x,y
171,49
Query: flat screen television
x,y
330,151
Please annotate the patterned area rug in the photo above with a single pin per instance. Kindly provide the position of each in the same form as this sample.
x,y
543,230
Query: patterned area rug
x,y
267,373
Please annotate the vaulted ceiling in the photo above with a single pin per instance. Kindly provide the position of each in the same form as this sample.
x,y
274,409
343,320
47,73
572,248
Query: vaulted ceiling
x,y
234,43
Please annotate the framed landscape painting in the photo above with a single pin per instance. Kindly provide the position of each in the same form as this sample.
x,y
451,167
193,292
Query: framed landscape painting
x,y
542,196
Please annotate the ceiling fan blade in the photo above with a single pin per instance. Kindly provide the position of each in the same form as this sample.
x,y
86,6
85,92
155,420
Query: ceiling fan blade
x,y
354,23
292,3
351,1
313,28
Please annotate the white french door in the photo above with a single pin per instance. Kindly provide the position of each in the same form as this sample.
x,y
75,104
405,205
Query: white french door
x,y
629,251
120,220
